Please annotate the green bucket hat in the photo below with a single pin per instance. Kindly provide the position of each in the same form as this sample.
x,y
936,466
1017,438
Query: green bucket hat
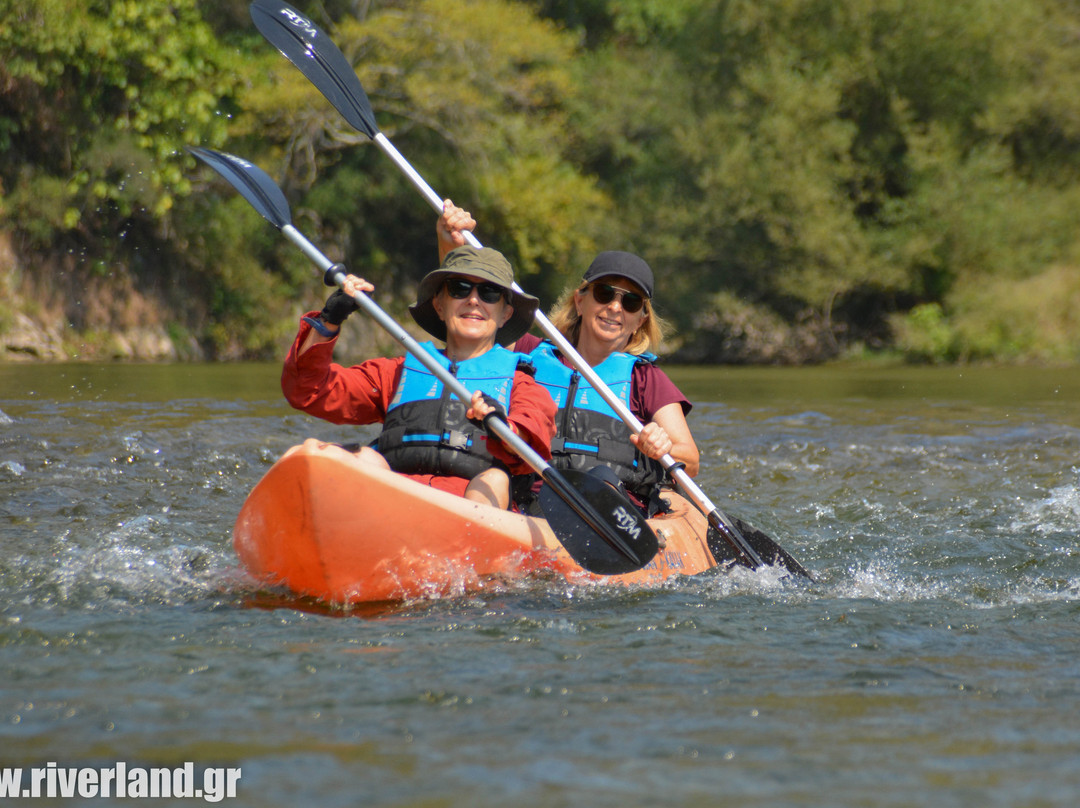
x,y
485,263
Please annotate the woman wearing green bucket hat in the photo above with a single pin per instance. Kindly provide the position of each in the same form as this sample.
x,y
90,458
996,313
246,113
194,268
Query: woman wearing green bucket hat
x,y
469,303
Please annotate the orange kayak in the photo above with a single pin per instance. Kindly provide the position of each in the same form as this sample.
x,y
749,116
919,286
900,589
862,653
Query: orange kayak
x,y
327,525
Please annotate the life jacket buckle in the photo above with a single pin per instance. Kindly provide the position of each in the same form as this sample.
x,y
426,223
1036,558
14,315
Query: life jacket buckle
x,y
455,439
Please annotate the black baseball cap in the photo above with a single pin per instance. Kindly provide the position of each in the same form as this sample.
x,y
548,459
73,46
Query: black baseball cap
x,y
623,265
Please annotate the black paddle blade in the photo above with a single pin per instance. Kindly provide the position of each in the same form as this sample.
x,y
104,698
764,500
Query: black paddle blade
x,y
601,529
252,182
770,552
305,45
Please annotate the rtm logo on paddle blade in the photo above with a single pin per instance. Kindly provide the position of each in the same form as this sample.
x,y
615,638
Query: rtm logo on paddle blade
x,y
309,30
626,522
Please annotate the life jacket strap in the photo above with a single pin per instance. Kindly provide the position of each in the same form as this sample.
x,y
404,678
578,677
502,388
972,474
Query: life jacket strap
x,y
449,438
605,450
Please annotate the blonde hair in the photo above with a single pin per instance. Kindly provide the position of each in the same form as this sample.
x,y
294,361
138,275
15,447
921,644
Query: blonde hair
x,y
648,336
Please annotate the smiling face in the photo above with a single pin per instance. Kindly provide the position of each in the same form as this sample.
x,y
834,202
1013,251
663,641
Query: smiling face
x,y
607,327
471,324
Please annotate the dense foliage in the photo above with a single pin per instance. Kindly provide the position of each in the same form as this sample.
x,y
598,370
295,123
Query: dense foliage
x,y
809,178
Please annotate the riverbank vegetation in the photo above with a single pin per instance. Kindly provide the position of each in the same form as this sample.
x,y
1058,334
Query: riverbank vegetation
x,y
810,179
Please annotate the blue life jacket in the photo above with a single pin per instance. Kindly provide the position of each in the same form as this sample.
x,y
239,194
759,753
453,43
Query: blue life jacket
x,y
426,432
589,432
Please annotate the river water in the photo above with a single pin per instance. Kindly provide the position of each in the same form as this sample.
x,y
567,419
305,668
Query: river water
x,y
934,661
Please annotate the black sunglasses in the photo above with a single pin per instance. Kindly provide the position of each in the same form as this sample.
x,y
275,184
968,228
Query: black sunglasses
x,y
459,289
604,293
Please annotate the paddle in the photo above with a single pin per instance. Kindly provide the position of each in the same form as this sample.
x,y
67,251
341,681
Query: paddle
x,y
305,45
600,527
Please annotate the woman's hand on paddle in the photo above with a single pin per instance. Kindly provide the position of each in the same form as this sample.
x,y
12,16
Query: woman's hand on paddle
x,y
451,227
668,433
338,307
341,302
652,441
479,409
355,284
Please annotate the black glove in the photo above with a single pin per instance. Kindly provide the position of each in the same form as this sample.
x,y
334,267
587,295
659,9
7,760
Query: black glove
x,y
499,413
338,306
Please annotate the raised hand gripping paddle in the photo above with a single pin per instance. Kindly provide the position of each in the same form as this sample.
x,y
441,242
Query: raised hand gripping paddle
x,y
305,45
597,524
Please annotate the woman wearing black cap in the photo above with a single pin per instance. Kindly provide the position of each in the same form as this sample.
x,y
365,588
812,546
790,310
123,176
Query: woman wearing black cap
x,y
609,320
427,434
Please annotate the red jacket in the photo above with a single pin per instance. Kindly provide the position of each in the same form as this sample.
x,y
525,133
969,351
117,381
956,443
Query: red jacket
x,y
361,394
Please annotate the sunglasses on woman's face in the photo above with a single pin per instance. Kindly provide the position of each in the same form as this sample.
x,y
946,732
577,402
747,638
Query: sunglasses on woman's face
x,y
459,289
604,293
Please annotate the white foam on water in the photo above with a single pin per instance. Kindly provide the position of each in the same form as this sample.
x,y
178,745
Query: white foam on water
x,y
12,468
1058,511
143,560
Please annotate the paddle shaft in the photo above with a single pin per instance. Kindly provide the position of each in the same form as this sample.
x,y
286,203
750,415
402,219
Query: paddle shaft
x,y
715,516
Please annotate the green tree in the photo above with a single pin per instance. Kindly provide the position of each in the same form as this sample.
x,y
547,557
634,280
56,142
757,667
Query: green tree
x,y
834,160
98,99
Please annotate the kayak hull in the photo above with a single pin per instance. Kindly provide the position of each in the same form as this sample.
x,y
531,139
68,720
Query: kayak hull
x,y
327,525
